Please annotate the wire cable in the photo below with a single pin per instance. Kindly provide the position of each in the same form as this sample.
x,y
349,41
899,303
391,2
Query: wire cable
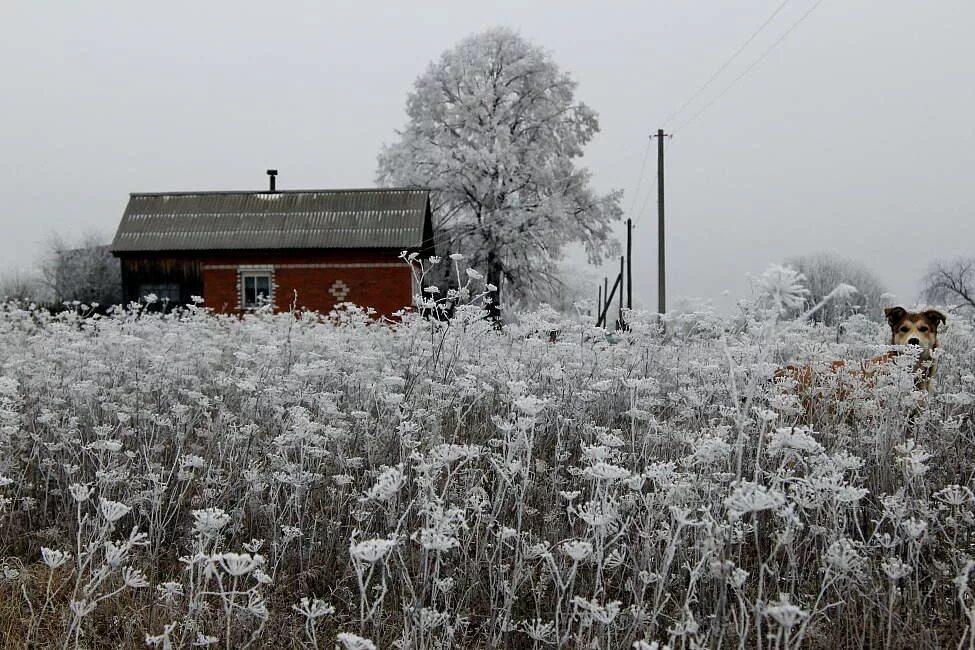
x,y
725,64
749,68
639,182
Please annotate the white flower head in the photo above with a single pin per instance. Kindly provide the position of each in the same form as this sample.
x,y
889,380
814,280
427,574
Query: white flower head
x,y
238,564
576,549
371,551
780,287
603,613
79,492
785,613
313,608
82,608
209,521
354,641
133,578
603,471
751,497
53,558
387,484
112,511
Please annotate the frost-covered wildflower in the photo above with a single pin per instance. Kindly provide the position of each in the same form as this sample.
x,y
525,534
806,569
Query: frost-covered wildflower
x,y
168,592
115,554
209,521
192,461
82,608
530,405
387,484
203,640
290,533
134,578
785,613
54,558
955,495
433,540
313,608
597,453
789,439
578,550
913,457
112,511
751,497
914,528
602,613
106,445
896,569
256,605
447,453
539,630
354,641
781,288
708,450
371,551
849,494
603,471
598,514
843,557
238,564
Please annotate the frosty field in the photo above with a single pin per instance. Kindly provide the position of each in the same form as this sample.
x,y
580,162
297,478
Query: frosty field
x,y
191,480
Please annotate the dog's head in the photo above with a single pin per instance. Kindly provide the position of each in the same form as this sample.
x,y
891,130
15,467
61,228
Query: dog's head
x,y
914,328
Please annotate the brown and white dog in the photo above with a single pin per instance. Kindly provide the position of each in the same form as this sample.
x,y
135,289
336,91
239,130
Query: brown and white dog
x,y
906,328
920,329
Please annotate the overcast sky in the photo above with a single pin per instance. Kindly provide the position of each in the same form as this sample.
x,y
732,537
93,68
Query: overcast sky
x,y
853,136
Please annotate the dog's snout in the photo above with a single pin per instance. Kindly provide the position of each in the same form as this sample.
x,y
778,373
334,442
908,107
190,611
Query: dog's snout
x,y
913,342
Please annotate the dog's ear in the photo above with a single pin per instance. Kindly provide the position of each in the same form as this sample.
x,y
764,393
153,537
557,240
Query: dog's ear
x,y
936,317
894,315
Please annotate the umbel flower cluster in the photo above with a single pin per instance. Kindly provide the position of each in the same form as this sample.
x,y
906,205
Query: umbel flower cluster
x,y
294,480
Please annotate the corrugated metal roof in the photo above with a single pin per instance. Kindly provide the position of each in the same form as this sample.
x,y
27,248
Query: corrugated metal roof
x,y
373,218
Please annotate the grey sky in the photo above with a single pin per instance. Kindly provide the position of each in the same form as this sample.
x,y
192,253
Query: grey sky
x,y
854,136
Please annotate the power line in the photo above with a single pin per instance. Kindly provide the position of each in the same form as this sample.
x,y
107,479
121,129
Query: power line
x,y
639,182
725,64
749,68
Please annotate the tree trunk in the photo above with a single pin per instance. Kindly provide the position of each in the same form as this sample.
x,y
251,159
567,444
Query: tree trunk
x,y
494,276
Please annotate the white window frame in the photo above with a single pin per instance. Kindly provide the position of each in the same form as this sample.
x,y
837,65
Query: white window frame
x,y
246,273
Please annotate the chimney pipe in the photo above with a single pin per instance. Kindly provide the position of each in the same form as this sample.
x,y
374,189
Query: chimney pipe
x,y
272,173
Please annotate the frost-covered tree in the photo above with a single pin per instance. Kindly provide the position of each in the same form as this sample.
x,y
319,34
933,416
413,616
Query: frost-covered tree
x,y
824,272
952,282
495,131
24,286
86,272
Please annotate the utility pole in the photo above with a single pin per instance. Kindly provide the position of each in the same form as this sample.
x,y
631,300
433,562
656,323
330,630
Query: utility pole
x,y
629,263
661,258
621,324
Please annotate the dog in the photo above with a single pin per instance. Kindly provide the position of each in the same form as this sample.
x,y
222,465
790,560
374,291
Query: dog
x,y
907,328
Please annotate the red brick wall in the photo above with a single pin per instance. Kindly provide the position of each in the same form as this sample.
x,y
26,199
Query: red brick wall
x,y
376,279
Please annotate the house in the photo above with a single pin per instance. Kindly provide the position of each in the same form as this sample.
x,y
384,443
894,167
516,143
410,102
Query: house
x,y
309,249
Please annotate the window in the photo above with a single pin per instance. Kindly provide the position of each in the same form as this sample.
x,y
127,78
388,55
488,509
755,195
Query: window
x,y
166,292
256,289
